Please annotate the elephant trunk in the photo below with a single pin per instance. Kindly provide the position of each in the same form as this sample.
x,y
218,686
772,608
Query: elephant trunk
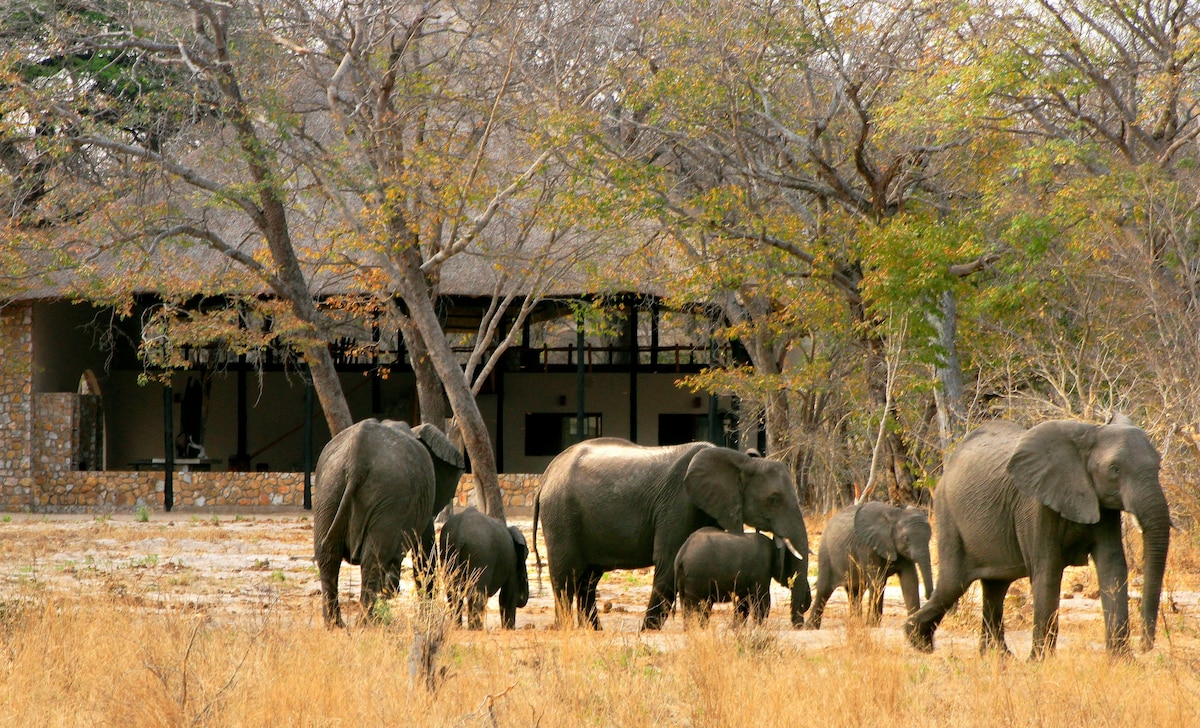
x,y
1152,513
923,563
801,598
795,535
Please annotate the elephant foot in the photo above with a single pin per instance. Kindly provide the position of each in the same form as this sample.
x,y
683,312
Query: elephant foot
x,y
1000,649
920,639
653,622
1121,655
333,619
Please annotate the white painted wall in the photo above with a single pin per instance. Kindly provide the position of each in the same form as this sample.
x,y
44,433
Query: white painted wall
x,y
607,394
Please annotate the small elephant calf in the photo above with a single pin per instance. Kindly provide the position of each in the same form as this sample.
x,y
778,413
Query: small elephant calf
x,y
862,546
482,556
717,566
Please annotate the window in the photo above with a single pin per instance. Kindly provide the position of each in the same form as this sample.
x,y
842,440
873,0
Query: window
x,y
679,429
549,433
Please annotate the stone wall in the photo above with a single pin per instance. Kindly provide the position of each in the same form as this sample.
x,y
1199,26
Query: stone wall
x,y
67,491
95,491
519,490
16,407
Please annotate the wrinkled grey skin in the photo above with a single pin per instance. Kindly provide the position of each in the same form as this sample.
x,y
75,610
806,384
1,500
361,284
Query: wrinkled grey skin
x,y
610,504
716,566
377,487
483,556
1017,503
864,545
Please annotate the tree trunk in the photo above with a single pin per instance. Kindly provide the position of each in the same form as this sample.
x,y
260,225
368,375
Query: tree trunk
x,y
777,418
328,387
900,478
431,400
415,292
896,471
271,219
949,393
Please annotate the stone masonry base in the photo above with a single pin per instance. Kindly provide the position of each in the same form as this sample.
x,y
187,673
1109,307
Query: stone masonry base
x,y
107,491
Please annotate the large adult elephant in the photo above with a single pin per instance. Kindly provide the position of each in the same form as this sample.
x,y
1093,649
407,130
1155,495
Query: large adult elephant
x,y
610,504
378,486
1017,503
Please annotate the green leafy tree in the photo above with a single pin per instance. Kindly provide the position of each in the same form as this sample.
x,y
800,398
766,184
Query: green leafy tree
x,y
833,137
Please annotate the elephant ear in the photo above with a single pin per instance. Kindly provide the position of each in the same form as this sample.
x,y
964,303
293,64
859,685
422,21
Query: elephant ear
x,y
520,577
439,445
519,544
448,464
875,524
714,483
1049,465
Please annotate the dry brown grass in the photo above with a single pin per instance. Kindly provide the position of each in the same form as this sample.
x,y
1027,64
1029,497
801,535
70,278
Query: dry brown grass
x,y
119,642
99,662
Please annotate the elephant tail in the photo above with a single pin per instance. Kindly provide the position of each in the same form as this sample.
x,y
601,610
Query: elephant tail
x,y
537,507
335,536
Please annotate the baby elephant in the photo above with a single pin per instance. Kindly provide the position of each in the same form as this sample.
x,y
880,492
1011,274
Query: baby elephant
x,y
482,556
717,566
864,545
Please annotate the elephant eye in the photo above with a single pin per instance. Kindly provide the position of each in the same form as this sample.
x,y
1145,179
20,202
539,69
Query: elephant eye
x,y
1114,469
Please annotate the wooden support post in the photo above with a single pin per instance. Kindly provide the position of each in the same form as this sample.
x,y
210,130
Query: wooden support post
x,y
169,442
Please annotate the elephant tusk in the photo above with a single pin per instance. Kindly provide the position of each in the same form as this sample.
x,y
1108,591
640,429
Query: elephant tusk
x,y
792,548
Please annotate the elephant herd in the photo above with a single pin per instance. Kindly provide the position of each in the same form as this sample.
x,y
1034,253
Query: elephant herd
x,y
1012,503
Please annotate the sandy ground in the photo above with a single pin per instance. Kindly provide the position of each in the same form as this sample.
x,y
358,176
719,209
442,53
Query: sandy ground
x,y
235,565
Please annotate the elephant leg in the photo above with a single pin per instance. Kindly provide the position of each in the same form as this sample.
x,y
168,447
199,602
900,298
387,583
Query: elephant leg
x,y
508,617
423,565
587,598
910,587
507,602
374,575
741,609
330,569
687,611
952,583
761,605
476,604
994,591
1047,586
454,602
825,587
875,604
1112,574
662,595
854,594
564,585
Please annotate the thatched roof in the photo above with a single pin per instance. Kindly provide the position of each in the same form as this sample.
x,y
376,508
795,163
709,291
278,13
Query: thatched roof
x,y
136,244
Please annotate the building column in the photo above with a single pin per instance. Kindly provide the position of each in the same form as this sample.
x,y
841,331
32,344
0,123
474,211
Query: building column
x,y
17,492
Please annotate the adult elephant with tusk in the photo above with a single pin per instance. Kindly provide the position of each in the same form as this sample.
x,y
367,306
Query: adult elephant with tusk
x,y
1017,503
610,504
